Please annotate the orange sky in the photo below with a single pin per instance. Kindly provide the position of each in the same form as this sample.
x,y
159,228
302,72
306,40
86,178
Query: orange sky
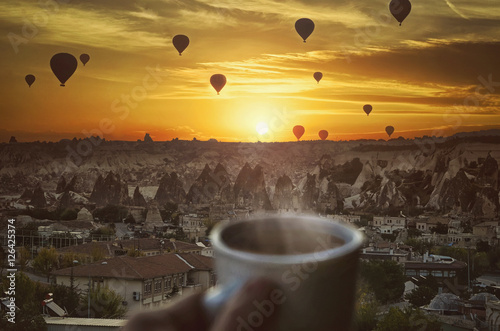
x,y
425,77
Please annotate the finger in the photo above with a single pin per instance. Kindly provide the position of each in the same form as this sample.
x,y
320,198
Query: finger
x,y
250,309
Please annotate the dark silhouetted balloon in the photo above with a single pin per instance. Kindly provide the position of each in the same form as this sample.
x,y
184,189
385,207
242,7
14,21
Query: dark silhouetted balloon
x,y
304,27
389,129
84,58
323,134
318,75
180,42
367,109
218,81
30,79
298,131
63,65
400,9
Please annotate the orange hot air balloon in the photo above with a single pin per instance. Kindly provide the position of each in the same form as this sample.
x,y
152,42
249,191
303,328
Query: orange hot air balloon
x,y
298,131
180,42
84,58
63,65
390,130
367,109
218,81
304,27
400,9
30,79
323,134
318,75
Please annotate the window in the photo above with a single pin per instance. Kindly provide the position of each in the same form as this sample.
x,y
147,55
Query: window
x,y
147,287
411,272
168,283
424,272
437,273
158,286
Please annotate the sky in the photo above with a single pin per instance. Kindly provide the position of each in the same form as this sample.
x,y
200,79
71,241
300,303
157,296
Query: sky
x,y
436,74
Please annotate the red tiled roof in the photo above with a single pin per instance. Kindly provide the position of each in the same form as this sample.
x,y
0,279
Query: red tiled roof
x,y
87,248
144,267
155,244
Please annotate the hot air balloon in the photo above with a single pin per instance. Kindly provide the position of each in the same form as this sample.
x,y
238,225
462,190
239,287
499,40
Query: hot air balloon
x,y
63,65
323,134
298,131
218,81
30,79
400,9
180,42
390,130
84,58
318,75
367,109
304,27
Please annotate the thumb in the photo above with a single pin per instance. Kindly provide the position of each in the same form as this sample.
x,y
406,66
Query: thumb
x,y
251,309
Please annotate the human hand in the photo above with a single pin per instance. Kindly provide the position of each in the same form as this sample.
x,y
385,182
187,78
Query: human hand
x,y
189,314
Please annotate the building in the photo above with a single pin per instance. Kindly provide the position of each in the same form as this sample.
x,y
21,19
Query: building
x,y
443,268
493,315
427,224
345,218
388,224
193,225
157,246
144,282
83,324
486,231
389,253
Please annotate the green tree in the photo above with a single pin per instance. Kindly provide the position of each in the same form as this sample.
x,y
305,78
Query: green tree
x,y
409,319
3,256
28,317
419,246
24,257
440,228
46,261
66,297
420,296
367,307
97,254
385,278
104,303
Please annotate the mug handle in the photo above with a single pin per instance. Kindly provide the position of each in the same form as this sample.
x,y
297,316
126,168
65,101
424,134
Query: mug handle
x,y
215,299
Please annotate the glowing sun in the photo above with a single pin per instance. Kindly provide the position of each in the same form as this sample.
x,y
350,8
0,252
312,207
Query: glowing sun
x,y
262,128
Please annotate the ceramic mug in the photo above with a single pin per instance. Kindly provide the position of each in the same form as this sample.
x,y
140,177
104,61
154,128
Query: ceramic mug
x,y
313,260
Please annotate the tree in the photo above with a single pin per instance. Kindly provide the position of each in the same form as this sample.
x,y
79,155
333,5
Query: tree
x,y
385,278
104,303
3,256
24,257
67,297
483,246
419,246
46,261
97,254
440,228
420,296
365,317
409,319
28,317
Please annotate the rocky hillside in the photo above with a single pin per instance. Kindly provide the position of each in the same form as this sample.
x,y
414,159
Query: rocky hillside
x,y
458,174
